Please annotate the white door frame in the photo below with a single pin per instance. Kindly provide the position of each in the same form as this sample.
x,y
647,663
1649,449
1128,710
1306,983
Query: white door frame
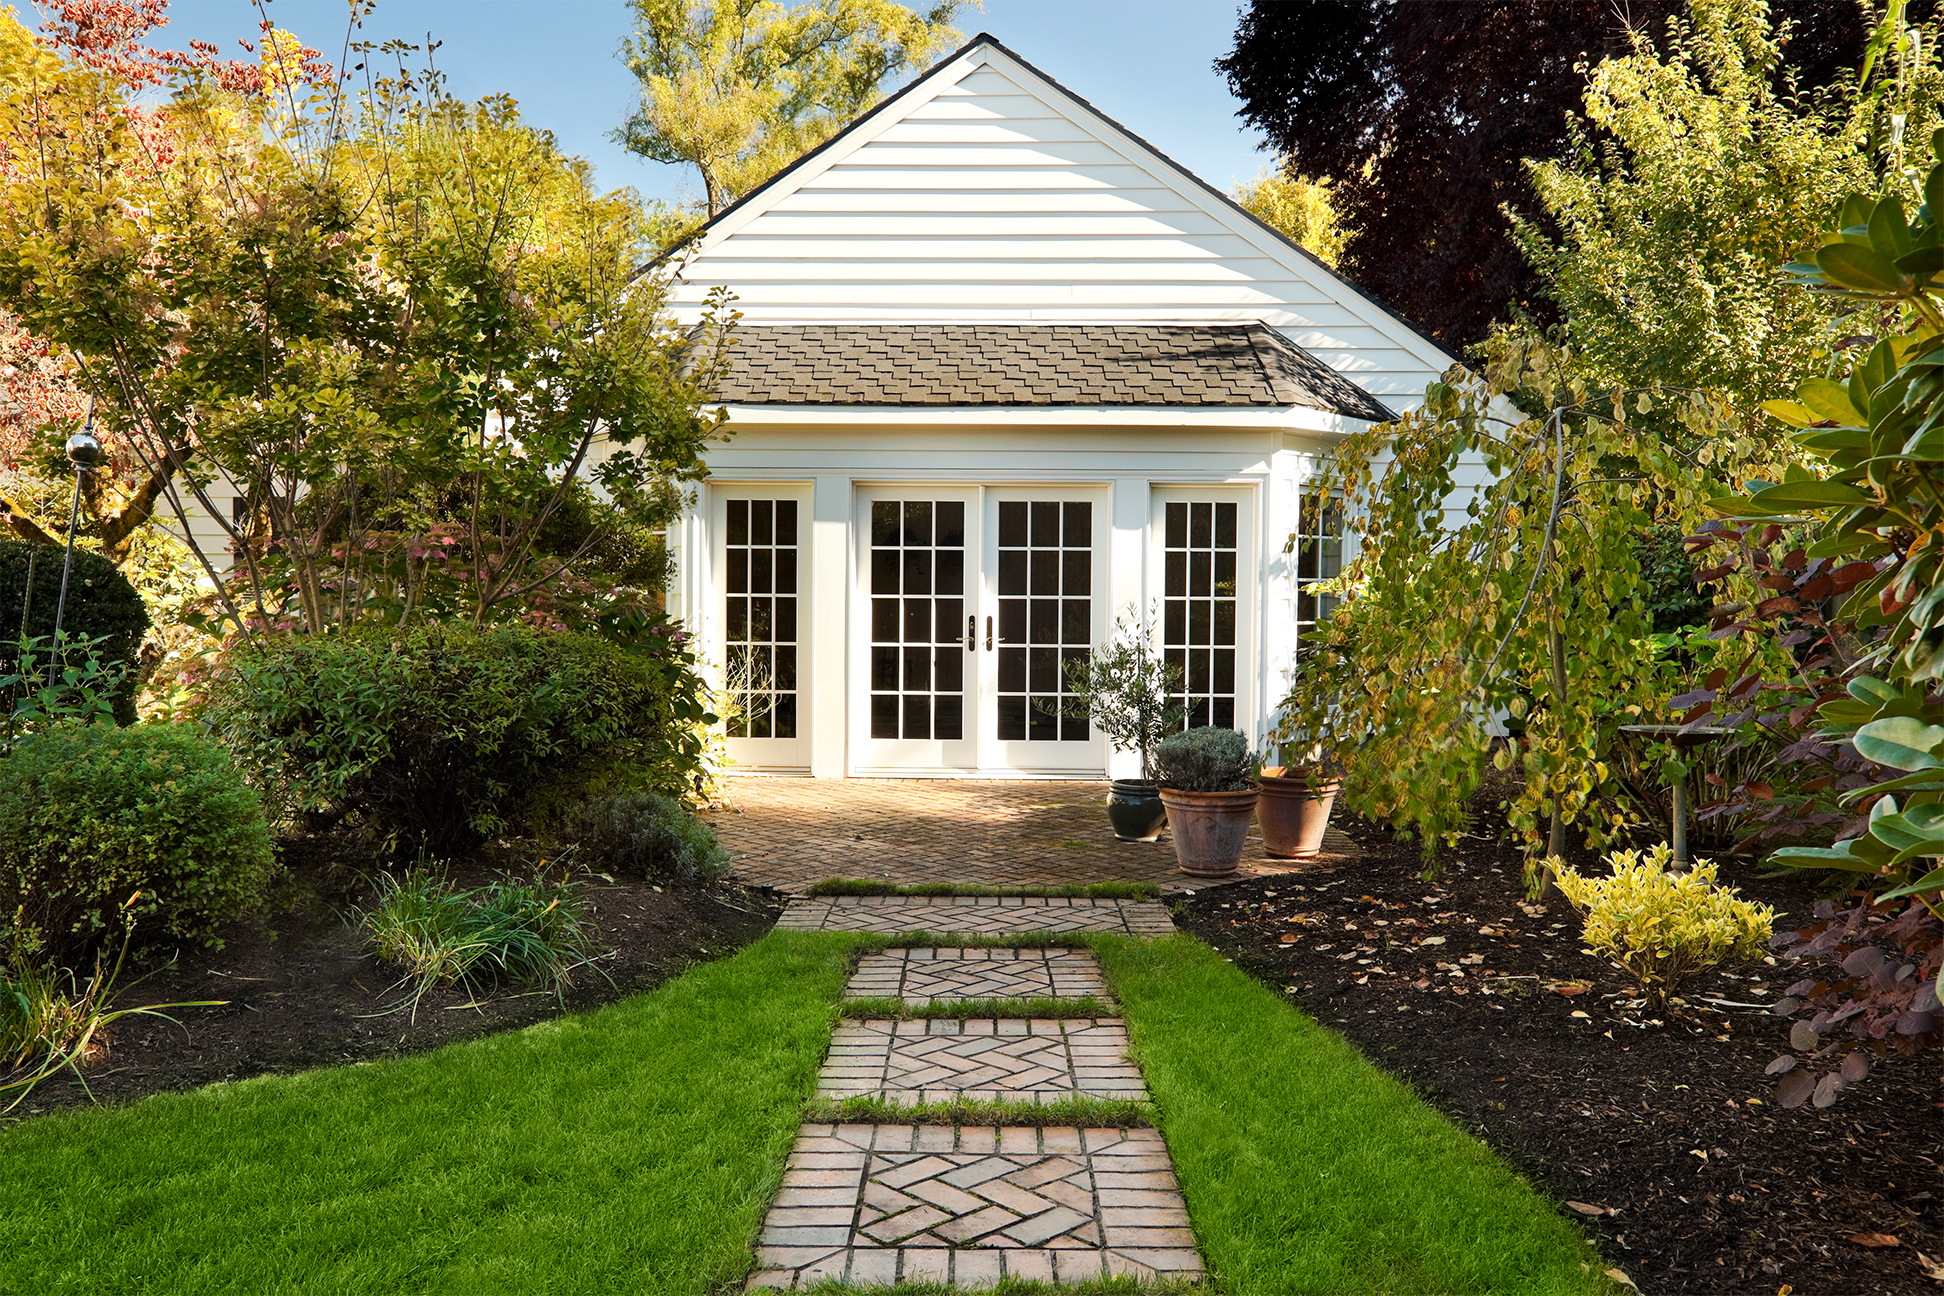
x,y
771,754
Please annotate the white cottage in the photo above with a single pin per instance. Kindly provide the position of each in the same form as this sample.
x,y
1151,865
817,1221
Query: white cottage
x,y
1006,374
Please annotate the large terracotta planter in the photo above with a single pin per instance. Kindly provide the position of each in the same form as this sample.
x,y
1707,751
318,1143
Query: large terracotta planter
x,y
1209,828
1136,811
1294,810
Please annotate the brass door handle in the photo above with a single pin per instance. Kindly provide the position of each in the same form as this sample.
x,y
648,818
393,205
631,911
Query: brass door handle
x,y
988,634
971,634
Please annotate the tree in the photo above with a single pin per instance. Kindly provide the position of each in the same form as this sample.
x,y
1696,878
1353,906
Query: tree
x,y
396,326
1424,114
738,89
1693,174
1301,209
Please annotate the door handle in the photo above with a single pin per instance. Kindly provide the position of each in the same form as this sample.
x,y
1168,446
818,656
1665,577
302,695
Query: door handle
x,y
988,634
971,634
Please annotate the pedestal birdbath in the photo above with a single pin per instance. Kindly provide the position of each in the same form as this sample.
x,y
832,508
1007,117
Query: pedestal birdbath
x,y
1684,740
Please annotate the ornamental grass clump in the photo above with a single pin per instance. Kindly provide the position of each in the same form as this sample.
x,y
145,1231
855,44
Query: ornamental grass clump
x,y
525,932
1664,929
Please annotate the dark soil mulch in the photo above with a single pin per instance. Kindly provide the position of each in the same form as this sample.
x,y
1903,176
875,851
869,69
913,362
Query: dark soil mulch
x,y
302,992
1667,1126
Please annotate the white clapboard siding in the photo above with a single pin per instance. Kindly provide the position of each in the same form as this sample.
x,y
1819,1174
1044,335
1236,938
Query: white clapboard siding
x,y
986,193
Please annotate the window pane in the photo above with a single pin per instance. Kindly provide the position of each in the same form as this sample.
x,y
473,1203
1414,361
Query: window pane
x,y
884,524
762,517
951,525
1076,524
1046,522
917,716
884,715
1012,523
918,527
1077,573
786,511
884,571
738,522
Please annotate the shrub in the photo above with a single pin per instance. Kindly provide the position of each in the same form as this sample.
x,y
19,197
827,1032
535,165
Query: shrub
x,y
646,833
448,735
1664,929
101,603
91,815
531,933
1205,760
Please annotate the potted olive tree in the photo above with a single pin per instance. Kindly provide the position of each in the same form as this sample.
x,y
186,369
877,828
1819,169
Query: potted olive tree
x,y
1206,785
1124,690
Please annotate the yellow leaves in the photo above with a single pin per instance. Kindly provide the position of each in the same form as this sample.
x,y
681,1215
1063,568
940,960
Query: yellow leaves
x,y
1664,928
282,56
1298,207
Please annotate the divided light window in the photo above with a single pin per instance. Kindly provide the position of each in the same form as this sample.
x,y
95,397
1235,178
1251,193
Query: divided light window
x,y
761,618
1319,557
1198,607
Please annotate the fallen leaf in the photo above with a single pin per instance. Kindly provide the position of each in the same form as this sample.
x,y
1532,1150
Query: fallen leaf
x,y
1932,1270
1433,940
1569,988
1620,1277
1875,1241
1289,940
1578,1013
1585,1209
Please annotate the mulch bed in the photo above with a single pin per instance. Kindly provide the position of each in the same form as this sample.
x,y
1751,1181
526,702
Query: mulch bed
x,y
1668,1129
302,992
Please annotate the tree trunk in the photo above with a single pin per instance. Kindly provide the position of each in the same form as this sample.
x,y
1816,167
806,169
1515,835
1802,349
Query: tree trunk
x,y
1556,838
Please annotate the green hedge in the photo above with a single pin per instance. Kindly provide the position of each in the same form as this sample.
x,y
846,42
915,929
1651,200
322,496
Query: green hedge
x,y
450,734
90,815
100,602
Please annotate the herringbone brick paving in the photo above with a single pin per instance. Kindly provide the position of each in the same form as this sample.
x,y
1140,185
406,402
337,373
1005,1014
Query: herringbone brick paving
x,y
791,832
967,1206
981,916
920,975
1008,1060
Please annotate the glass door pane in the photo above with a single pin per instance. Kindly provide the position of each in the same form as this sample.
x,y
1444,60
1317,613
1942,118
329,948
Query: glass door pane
x,y
1045,591
915,581
1046,605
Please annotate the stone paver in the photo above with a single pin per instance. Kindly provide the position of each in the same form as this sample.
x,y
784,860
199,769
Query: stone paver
x,y
918,976
791,832
1008,1060
969,1205
981,916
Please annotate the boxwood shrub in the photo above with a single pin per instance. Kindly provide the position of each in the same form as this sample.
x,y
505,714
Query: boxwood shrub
x,y
90,815
100,602
447,735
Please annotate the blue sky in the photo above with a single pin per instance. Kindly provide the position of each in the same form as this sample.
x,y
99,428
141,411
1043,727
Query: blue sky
x,y
1146,63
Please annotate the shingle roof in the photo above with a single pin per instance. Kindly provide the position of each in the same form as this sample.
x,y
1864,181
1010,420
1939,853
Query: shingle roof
x,y
1034,364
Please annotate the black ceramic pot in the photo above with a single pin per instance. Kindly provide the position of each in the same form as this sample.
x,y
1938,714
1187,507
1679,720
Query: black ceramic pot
x,y
1136,811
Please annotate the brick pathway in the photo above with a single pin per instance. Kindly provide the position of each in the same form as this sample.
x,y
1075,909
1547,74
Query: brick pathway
x,y
791,832
969,1205
920,975
983,916
1008,1060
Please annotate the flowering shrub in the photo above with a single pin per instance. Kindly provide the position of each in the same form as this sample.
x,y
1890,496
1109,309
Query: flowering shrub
x,y
1664,929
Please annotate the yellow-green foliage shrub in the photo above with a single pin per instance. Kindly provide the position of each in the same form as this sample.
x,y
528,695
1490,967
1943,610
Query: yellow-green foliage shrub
x,y
1664,928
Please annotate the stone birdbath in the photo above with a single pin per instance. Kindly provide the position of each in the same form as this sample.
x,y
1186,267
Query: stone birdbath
x,y
1684,740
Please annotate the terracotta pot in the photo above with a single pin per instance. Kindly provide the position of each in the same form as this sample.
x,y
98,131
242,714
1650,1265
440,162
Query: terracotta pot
x,y
1209,828
1294,812
1136,811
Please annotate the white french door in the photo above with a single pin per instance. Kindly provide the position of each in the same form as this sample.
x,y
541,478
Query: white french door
x,y
914,654
1045,607
972,605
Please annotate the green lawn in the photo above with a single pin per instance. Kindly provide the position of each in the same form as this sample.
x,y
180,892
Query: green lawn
x,y
1308,1170
632,1150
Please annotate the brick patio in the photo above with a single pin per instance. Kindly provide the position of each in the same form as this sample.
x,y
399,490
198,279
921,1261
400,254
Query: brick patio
x,y
791,832
1008,1060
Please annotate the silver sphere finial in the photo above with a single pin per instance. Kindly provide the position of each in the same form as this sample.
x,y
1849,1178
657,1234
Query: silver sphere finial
x,y
83,451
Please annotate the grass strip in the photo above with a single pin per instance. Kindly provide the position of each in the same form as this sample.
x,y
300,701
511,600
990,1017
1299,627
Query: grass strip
x,y
1306,1169
968,1009
970,890
871,942
630,1149
1090,1113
